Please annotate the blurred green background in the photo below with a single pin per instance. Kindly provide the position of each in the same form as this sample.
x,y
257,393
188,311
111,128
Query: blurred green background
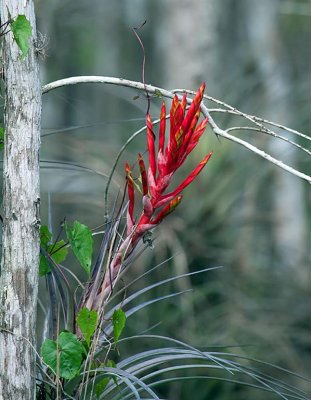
x,y
242,212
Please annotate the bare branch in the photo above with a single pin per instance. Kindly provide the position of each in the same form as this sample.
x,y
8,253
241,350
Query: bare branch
x,y
275,135
220,132
216,129
253,118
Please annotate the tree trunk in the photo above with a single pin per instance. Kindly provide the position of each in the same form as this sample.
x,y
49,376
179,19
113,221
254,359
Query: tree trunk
x,y
289,215
190,46
19,267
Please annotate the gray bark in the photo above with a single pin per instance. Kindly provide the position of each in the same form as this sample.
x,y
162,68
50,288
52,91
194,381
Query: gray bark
x,y
20,255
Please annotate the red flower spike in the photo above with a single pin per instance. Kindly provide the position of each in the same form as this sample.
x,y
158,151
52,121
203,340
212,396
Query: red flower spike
x,y
151,149
162,128
184,103
194,139
143,174
174,106
171,152
176,118
196,136
191,130
179,137
182,129
169,208
195,106
164,199
185,133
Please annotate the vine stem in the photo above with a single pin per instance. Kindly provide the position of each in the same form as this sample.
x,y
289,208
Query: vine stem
x,y
170,94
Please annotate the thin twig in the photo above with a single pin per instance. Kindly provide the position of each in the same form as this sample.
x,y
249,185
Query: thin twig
x,y
254,149
170,94
252,128
253,118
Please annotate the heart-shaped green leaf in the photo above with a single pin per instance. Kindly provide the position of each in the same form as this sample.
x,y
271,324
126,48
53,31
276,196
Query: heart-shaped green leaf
x,y
87,322
64,356
81,241
118,323
21,30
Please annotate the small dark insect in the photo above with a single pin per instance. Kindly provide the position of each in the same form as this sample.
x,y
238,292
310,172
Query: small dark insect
x,y
147,239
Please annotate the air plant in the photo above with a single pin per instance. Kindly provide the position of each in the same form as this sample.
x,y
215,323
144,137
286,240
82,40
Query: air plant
x,y
185,132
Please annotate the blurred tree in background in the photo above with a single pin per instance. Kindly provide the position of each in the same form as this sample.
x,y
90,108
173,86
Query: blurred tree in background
x,y
246,214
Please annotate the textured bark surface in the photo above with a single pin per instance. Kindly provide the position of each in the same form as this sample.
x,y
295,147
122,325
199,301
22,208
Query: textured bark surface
x,y
19,265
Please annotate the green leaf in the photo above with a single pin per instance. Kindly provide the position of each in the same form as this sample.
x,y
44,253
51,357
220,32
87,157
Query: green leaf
x,y
112,364
45,236
57,251
87,322
101,385
118,323
44,267
64,356
1,138
21,30
81,241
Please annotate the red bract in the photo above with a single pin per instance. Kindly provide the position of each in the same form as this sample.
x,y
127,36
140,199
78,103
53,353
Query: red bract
x,y
185,133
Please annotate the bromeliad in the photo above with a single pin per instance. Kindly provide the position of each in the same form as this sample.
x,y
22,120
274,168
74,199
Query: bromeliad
x,y
185,132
